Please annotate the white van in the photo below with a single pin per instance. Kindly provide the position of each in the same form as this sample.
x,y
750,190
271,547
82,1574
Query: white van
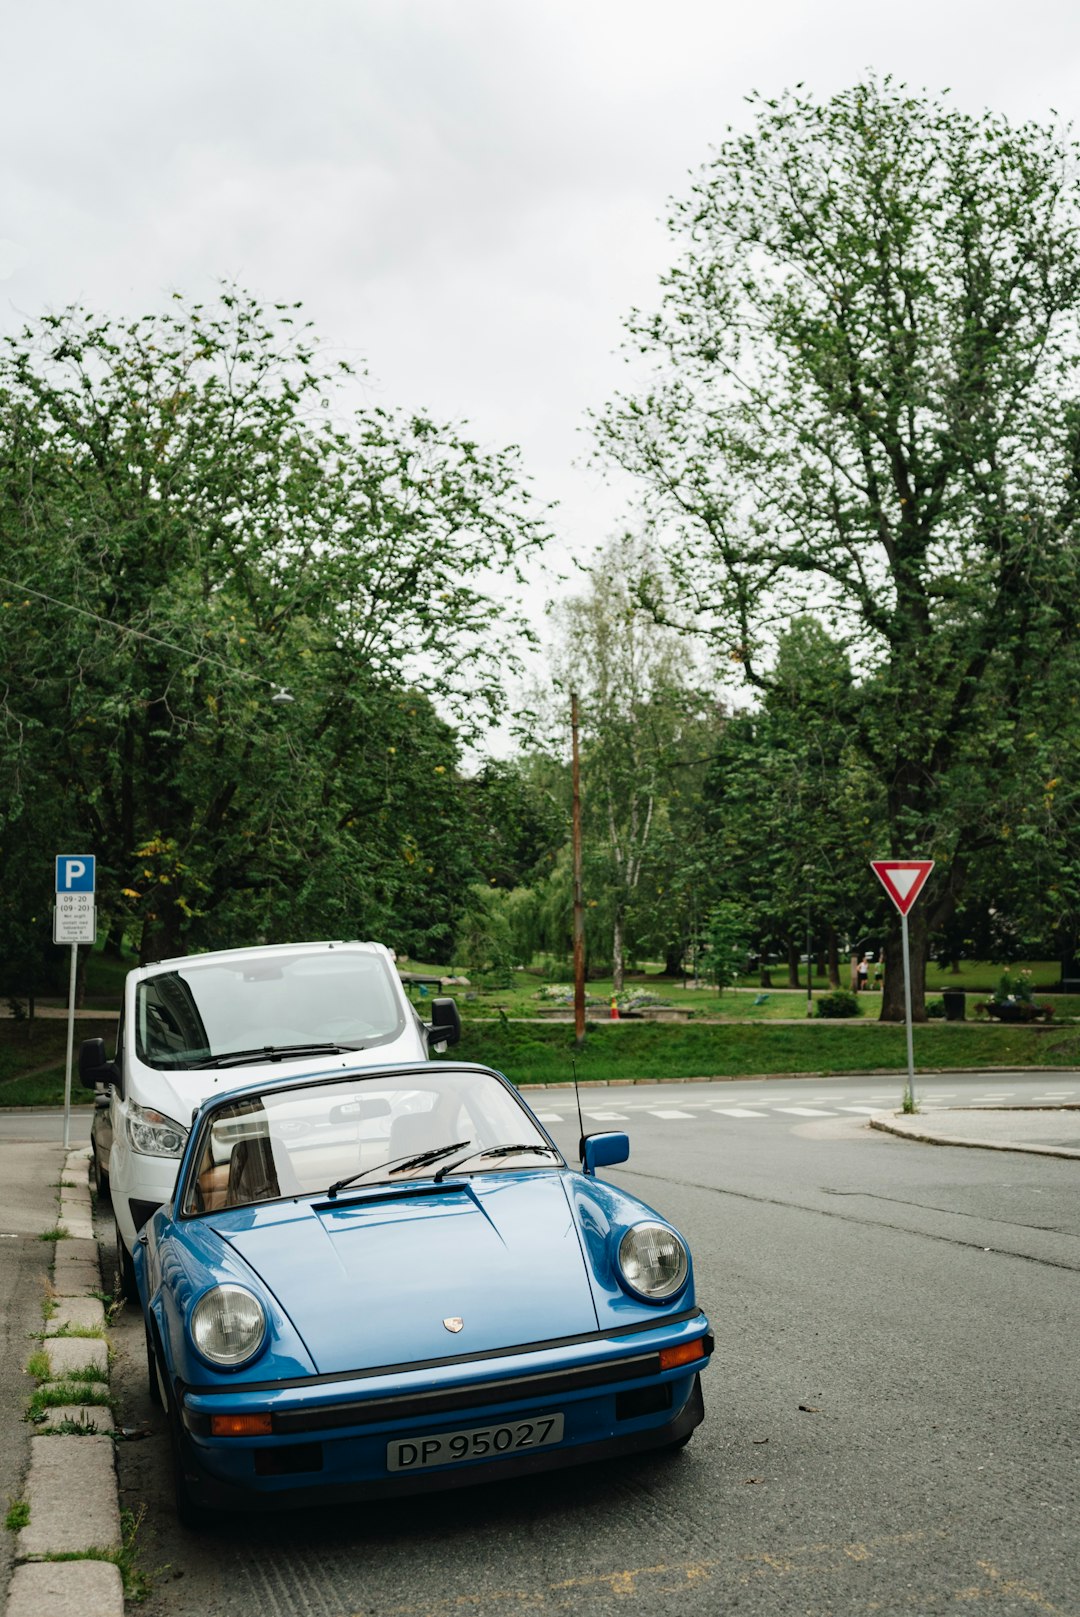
x,y
206,1022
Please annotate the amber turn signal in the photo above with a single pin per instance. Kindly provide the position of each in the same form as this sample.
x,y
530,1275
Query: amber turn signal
x,y
685,1353
240,1426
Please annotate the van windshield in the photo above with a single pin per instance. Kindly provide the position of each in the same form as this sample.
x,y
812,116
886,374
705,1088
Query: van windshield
x,y
196,1012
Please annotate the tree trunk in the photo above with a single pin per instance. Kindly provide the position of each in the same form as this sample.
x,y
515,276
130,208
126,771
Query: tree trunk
x,y
765,977
855,973
617,964
892,993
833,953
793,965
673,960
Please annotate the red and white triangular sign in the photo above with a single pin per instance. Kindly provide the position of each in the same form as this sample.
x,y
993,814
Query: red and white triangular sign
x,y
902,879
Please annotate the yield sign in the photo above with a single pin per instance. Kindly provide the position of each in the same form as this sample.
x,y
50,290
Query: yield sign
x,y
902,879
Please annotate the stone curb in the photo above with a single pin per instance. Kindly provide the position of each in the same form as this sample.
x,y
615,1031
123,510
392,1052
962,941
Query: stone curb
x,y
71,1489
915,1129
66,1589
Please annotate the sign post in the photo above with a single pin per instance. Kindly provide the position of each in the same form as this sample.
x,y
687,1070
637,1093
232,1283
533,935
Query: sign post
x,y
903,880
74,922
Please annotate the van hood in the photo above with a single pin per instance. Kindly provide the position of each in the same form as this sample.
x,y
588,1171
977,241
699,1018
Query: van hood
x,y
179,1093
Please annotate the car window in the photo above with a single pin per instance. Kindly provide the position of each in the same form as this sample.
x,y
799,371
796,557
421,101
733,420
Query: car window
x,y
199,1011
300,1140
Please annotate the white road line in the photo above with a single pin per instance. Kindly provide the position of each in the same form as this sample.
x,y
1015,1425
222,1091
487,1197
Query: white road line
x,y
737,1111
549,1117
1064,1095
803,1111
607,1117
866,1111
665,1114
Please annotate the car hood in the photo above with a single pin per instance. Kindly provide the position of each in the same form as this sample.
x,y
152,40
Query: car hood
x,y
371,1282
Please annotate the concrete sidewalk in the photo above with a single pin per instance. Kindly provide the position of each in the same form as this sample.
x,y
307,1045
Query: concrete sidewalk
x,y
1047,1131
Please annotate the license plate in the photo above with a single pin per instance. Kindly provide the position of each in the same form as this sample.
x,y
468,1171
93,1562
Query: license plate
x,y
477,1443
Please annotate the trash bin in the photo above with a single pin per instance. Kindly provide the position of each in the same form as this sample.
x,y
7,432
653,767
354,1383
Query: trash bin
x,y
954,1000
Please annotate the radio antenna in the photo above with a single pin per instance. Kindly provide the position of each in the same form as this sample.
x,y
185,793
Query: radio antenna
x,y
581,1125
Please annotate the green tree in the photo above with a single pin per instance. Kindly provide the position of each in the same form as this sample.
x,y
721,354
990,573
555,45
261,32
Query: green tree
x,y
864,401
636,709
187,521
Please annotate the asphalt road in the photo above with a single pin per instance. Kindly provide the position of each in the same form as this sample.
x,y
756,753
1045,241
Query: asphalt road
x,y
891,1412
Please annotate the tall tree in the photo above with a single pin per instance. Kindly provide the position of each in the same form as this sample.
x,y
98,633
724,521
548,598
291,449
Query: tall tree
x,y
637,708
864,400
187,520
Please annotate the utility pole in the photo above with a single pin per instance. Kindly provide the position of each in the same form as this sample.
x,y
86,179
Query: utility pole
x,y
579,906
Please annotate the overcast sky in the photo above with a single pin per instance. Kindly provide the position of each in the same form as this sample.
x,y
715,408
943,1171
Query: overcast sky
x,y
467,195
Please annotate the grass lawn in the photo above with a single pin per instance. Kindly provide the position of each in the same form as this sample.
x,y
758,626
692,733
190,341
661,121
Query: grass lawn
x,y
622,1051
32,1061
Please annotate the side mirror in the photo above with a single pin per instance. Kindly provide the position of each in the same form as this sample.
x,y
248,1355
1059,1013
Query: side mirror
x,y
445,1023
603,1150
94,1065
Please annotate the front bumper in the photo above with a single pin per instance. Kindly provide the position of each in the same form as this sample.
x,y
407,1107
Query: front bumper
x,y
329,1437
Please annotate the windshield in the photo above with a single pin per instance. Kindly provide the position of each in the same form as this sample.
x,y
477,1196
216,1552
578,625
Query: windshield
x,y
199,1011
390,1128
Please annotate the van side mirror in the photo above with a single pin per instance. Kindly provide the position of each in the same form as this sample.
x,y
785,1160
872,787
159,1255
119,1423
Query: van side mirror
x,y
94,1065
445,1023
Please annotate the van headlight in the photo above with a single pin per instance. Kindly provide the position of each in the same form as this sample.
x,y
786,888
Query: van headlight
x,y
153,1134
653,1261
228,1325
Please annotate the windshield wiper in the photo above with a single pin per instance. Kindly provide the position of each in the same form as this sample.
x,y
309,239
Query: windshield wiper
x,y
495,1151
273,1052
413,1161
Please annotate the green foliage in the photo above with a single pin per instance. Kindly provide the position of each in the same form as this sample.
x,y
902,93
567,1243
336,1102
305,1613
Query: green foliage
x,y
18,1515
935,1010
863,395
839,1003
187,524
725,947
1013,985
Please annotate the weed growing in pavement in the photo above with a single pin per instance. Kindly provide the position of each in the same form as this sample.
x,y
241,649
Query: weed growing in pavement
x,y
38,1366
84,1426
137,1584
97,1331
59,1393
57,1233
910,1107
18,1515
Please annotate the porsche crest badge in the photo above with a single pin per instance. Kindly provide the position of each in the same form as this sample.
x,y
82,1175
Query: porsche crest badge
x,y
454,1323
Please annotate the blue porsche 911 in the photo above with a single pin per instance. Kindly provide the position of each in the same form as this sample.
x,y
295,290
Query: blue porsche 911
x,y
390,1281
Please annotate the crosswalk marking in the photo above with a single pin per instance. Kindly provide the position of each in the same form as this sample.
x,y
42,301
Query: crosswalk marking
x,y
865,1107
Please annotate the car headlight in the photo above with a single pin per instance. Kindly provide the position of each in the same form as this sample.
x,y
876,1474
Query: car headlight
x,y
653,1261
228,1325
153,1134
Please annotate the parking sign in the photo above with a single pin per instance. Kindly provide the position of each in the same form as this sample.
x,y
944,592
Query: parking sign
x,y
75,873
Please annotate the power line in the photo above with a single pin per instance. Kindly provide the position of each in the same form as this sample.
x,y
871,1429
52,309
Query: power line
x,y
280,694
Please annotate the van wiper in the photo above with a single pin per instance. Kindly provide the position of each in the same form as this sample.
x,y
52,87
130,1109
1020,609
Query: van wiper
x,y
413,1161
273,1052
496,1151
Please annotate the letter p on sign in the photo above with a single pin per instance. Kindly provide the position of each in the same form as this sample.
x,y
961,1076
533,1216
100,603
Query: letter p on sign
x,y
75,873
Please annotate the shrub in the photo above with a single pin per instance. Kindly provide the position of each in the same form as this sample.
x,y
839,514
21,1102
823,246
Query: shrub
x,y
935,1008
839,1003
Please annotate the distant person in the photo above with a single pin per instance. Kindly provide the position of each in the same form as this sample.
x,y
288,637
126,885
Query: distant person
x,y
864,974
878,973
